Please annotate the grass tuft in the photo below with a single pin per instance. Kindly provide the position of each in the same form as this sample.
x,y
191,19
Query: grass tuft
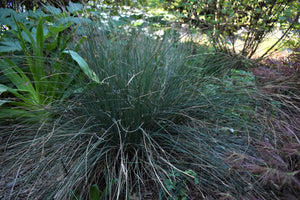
x,y
152,127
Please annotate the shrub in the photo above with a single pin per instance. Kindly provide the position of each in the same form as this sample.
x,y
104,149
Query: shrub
x,y
223,20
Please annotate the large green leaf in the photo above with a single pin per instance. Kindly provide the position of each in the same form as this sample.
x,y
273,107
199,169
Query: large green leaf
x,y
26,37
53,10
45,31
7,46
94,192
58,29
20,81
4,101
10,70
23,36
4,88
36,40
6,12
74,7
83,65
38,13
39,39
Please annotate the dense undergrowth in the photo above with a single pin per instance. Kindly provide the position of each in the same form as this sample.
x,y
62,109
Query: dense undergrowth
x,y
141,118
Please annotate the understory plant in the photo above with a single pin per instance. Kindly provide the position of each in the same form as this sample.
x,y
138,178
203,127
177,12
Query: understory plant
x,y
150,115
37,69
277,165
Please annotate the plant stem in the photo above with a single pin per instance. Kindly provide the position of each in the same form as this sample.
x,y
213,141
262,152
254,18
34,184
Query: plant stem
x,y
284,34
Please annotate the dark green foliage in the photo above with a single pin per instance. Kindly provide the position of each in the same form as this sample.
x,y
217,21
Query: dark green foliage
x,y
23,5
223,19
94,193
41,73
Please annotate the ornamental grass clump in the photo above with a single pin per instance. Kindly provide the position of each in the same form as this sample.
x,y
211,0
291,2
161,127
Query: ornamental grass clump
x,y
149,116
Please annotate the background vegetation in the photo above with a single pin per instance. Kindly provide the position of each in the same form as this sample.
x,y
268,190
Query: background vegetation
x,y
149,100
